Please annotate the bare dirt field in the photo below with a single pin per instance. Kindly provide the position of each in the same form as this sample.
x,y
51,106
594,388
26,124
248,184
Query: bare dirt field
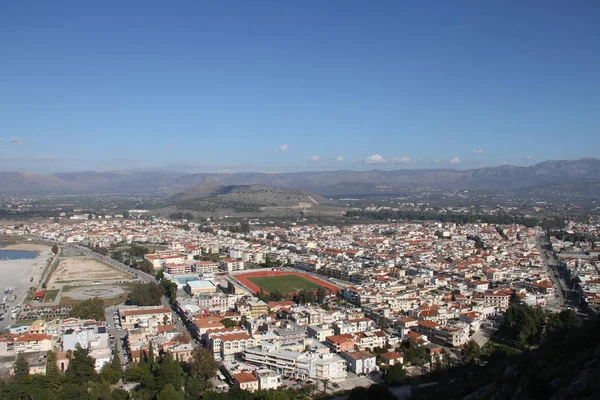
x,y
26,246
85,270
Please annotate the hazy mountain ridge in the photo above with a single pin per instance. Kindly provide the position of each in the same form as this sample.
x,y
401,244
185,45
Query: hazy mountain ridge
x,y
560,174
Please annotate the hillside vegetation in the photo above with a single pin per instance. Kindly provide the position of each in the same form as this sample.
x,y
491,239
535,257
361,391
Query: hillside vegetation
x,y
565,364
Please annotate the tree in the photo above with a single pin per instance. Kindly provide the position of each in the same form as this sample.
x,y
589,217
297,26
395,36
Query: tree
x,y
151,354
55,249
116,360
228,323
195,387
109,374
379,392
81,366
142,375
471,352
358,393
145,266
321,294
146,294
415,355
558,324
21,368
168,392
395,374
382,323
170,289
168,371
119,394
117,256
523,324
203,364
53,375
182,338
89,309
325,383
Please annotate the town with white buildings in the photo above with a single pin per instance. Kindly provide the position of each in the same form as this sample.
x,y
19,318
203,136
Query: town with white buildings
x,y
426,284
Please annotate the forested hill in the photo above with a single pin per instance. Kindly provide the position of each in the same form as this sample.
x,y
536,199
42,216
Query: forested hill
x,y
565,366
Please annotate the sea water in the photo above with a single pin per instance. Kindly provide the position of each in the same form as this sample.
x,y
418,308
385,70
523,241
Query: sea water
x,y
17,255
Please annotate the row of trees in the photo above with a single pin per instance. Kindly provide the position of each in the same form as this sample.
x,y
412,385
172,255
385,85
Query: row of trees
x,y
182,215
304,296
502,219
160,377
575,237
129,257
81,381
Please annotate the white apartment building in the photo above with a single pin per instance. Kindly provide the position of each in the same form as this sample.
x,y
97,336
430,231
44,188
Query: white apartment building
x,y
267,379
320,332
360,362
298,365
230,265
216,301
500,301
206,267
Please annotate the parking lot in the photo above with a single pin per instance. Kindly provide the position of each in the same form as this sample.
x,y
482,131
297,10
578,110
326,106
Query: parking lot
x,y
118,335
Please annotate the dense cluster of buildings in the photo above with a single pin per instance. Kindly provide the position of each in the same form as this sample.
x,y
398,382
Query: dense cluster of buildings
x,y
432,284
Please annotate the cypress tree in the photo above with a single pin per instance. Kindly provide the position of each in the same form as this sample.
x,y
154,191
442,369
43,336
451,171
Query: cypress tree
x,y
21,368
151,354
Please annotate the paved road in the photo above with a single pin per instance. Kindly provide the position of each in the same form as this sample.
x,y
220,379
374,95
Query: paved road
x,y
550,261
88,252
118,335
483,335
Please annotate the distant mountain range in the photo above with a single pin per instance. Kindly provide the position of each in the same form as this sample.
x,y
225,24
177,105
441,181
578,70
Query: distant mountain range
x,y
548,176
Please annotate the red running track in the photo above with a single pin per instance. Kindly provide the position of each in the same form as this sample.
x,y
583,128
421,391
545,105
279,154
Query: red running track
x,y
255,289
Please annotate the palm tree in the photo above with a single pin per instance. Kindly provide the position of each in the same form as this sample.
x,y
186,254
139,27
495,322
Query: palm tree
x,y
325,382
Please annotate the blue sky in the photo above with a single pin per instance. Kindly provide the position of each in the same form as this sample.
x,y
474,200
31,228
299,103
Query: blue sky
x,y
296,85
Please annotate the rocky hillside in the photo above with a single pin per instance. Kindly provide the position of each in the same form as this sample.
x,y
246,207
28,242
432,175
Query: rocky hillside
x,y
246,198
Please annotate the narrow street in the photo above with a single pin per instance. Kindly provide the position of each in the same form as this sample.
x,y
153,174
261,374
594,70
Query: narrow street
x,y
117,334
564,296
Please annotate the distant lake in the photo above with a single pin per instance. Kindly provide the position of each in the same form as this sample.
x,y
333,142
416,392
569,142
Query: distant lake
x,y
17,254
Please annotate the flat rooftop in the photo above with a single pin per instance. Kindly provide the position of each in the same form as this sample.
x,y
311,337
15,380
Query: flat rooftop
x,y
201,284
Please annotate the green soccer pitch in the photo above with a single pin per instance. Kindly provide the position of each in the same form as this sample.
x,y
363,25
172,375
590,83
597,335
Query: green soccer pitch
x,y
284,283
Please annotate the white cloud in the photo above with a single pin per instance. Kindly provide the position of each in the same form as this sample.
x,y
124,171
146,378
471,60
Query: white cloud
x,y
529,157
283,147
339,159
16,140
477,151
379,159
455,160
314,158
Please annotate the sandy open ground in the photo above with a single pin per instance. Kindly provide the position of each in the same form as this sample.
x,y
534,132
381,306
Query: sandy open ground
x,y
27,246
85,269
